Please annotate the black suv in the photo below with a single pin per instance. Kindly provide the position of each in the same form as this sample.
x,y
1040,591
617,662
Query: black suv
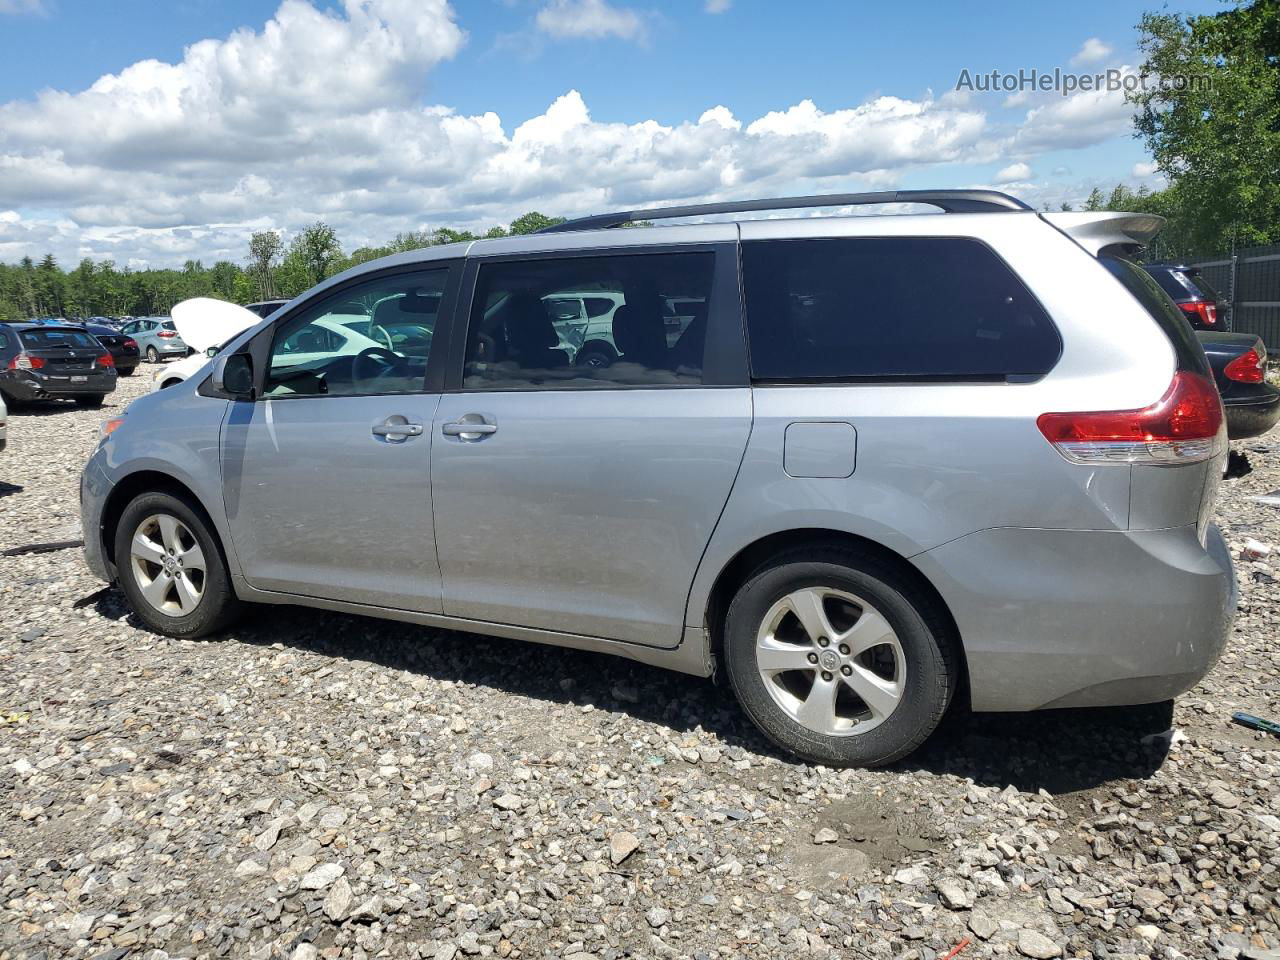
x,y
48,362
1193,294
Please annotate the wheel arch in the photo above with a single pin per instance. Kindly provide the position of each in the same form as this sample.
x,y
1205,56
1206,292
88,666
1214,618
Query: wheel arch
x,y
148,481
734,573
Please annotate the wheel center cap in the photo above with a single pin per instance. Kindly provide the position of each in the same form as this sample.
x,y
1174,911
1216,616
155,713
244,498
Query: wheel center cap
x,y
170,565
829,660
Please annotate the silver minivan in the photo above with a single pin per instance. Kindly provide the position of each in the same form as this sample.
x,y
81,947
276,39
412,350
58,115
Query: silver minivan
x,y
885,462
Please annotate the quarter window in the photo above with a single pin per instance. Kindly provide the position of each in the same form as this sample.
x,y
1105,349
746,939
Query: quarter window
x,y
894,308
589,322
372,338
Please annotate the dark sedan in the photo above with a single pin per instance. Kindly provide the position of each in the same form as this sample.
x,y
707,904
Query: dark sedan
x,y
41,362
123,348
1239,362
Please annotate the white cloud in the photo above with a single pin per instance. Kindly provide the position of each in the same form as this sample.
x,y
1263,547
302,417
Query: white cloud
x,y
1079,120
717,6
1144,169
589,18
1092,50
1013,173
164,162
22,6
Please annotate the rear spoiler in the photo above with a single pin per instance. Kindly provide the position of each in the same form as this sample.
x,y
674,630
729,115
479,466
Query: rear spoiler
x,y
1098,231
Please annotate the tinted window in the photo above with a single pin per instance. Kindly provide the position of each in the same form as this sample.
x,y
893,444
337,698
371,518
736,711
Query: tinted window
x,y
373,338
53,337
585,322
1200,287
1169,282
885,308
1163,311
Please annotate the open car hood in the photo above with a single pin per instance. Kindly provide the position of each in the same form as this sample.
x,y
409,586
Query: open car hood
x,y
203,322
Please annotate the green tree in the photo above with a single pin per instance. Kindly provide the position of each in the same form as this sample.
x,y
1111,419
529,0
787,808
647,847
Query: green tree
x,y
1210,115
533,221
264,253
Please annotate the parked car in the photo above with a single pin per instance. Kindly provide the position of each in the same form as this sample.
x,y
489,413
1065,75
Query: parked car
x,y
265,308
44,362
157,338
4,423
205,325
895,458
1239,362
123,349
1192,293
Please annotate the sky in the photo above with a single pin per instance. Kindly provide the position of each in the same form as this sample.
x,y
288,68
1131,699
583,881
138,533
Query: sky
x,y
154,133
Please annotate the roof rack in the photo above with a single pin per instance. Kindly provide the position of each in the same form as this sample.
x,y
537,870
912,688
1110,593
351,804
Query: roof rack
x,y
950,201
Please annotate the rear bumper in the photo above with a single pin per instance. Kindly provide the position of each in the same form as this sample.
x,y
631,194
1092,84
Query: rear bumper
x,y
1251,412
1063,618
32,385
168,348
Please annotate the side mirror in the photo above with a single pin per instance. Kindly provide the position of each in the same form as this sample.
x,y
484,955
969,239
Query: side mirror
x,y
211,352
233,376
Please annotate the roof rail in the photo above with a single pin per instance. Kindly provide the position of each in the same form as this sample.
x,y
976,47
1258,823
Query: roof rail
x,y
950,201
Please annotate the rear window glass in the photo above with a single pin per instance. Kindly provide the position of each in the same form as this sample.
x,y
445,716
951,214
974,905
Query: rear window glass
x,y
914,308
1163,311
1199,285
1169,283
53,337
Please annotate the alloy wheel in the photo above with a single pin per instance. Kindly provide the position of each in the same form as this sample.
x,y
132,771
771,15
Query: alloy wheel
x,y
831,661
168,565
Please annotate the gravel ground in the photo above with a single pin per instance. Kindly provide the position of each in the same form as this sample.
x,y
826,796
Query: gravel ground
x,y
317,785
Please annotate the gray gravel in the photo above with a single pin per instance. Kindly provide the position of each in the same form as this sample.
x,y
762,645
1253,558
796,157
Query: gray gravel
x,y
315,785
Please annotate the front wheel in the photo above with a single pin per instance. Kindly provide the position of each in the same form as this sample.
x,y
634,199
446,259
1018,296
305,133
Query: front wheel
x,y
838,658
171,568
125,371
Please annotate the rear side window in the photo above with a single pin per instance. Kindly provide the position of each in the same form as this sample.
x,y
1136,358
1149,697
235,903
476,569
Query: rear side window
x,y
1163,311
1170,283
889,308
53,337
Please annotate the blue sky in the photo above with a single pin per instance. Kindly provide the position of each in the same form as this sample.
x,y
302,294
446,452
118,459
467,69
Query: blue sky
x,y
877,76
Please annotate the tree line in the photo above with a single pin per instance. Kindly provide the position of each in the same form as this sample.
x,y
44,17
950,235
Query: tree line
x,y
272,269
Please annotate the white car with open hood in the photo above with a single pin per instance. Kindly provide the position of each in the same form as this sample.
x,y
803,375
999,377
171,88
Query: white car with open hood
x,y
205,325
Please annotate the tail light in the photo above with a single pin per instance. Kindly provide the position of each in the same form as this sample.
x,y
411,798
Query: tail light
x,y
105,361
1249,367
1183,426
166,334
130,343
24,361
1201,311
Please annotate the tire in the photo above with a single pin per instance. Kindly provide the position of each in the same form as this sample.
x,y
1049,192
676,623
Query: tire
x,y
153,355
909,678
126,371
208,603
90,400
595,356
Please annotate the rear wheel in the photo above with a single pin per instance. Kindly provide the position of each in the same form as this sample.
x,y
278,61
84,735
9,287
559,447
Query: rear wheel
x,y
125,371
171,568
90,400
838,658
153,355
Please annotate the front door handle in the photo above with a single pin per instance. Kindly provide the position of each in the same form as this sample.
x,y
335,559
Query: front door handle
x,y
397,429
470,427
